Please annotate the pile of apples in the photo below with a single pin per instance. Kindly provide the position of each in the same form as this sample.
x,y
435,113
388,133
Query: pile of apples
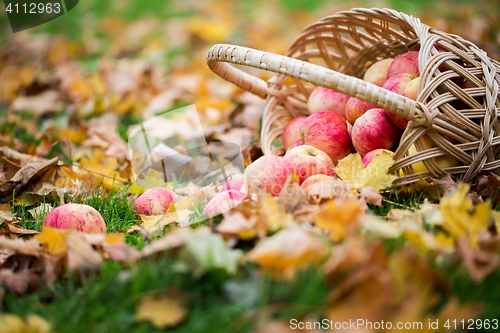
x,y
339,125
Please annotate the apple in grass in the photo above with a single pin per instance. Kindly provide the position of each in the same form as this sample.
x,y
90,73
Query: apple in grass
x,y
404,64
77,217
224,201
374,130
155,201
398,84
291,133
324,99
267,174
355,108
327,131
307,161
377,73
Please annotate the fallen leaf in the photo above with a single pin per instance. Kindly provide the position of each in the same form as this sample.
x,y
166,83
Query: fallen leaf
x,y
375,174
41,211
460,217
446,184
162,312
54,239
29,247
339,218
81,255
207,251
13,229
48,101
6,213
288,251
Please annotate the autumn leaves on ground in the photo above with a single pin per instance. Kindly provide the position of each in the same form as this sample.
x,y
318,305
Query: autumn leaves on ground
x,y
352,248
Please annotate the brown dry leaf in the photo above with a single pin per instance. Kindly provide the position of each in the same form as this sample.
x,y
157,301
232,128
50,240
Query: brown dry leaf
x,y
289,250
53,239
122,252
251,154
102,133
430,190
6,213
29,247
32,169
81,255
479,263
295,202
171,240
48,101
13,229
368,195
162,312
21,158
339,217
493,189
329,189
235,224
4,254
446,184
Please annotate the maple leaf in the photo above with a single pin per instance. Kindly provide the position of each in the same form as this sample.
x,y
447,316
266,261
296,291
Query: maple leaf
x,y
162,312
289,250
375,174
460,217
339,217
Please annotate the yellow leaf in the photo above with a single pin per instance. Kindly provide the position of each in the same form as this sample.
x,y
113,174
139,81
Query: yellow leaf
x,y
106,169
460,217
115,238
351,169
339,217
55,240
273,213
10,323
288,250
154,224
38,324
161,312
149,179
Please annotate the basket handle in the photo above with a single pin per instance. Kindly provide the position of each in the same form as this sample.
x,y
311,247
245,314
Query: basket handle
x,y
220,55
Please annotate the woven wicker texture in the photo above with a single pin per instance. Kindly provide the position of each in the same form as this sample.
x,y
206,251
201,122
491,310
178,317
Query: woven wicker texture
x,y
336,51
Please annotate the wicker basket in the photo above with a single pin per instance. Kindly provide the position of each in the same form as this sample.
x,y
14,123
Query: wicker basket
x,y
336,51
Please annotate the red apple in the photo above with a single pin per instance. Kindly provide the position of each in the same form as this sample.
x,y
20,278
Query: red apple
x,y
77,217
324,99
155,201
374,130
235,183
291,133
313,180
307,161
370,155
398,85
355,108
267,174
327,131
224,201
405,64
377,73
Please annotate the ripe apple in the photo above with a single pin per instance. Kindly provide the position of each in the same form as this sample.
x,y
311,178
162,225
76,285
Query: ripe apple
x,y
442,161
398,85
224,201
307,161
235,183
268,174
77,217
355,108
154,201
295,144
370,155
404,64
291,133
324,99
327,131
377,73
374,130
310,181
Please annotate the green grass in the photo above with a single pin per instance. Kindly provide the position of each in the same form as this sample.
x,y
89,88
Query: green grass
x,y
107,302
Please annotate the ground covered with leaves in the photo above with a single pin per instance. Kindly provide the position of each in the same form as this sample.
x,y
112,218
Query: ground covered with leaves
x,y
353,248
